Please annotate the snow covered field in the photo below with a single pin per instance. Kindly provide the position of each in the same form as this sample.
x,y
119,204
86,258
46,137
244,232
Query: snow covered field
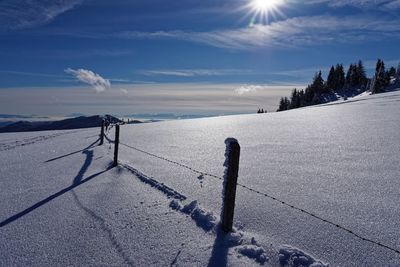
x,y
63,205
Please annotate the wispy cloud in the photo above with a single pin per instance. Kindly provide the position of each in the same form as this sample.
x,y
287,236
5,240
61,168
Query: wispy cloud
x,y
89,77
77,53
359,3
168,73
33,74
293,32
393,4
303,73
196,72
19,14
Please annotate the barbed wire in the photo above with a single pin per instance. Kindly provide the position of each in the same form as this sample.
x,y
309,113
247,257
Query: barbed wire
x,y
304,211
173,162
108,138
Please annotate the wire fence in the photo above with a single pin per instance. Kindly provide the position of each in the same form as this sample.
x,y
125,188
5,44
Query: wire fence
x,y
263,194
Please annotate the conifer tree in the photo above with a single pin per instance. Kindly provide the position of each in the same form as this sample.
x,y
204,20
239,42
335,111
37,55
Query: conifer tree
x,y
362,76
287,103
340,78
350,76
398,72
392,72
293,99
281,105
308,95
301,100
331,80
318,83
379,83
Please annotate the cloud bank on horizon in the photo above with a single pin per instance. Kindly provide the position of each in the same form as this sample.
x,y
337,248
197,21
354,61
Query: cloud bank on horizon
x,y
184,99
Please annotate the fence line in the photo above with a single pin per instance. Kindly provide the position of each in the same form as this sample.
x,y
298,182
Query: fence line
x,y
304,211
108,139
270,197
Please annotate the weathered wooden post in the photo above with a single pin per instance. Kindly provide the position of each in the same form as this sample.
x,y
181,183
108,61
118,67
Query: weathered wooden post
x,y
102,133
116,144
232,155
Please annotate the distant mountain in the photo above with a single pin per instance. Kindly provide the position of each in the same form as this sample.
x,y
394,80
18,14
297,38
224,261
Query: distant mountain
x,y
74,123
5,123
13,116
77,114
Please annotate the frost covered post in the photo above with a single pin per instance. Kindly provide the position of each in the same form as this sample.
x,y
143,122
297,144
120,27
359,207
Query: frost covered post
x,y
116,144
232,155
102,132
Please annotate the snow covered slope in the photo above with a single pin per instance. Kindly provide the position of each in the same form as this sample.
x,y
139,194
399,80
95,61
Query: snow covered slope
x,y
64,205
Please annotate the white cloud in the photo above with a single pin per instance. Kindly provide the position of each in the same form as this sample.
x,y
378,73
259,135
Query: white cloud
x,y
247,89
18,14
89,77
293,32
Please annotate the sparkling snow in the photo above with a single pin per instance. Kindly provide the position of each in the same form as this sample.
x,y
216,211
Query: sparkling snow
x,y
62,204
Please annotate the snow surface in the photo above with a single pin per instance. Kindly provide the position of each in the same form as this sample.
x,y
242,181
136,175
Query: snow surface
x,y
62,203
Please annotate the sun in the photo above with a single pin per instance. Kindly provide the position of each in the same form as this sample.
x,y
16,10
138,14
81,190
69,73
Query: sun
x,y
265,5
262,10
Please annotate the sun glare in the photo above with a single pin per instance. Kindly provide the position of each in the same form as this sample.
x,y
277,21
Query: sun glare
x,y
265,5
262,10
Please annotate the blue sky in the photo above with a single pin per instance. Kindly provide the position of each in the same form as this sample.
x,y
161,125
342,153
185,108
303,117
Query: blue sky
x,y
123,48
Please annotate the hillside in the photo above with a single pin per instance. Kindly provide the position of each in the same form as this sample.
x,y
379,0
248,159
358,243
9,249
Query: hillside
x,y
67,124
338,162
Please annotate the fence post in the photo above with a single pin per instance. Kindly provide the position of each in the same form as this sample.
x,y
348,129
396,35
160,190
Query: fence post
x,y
116,144
232,155
102,133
